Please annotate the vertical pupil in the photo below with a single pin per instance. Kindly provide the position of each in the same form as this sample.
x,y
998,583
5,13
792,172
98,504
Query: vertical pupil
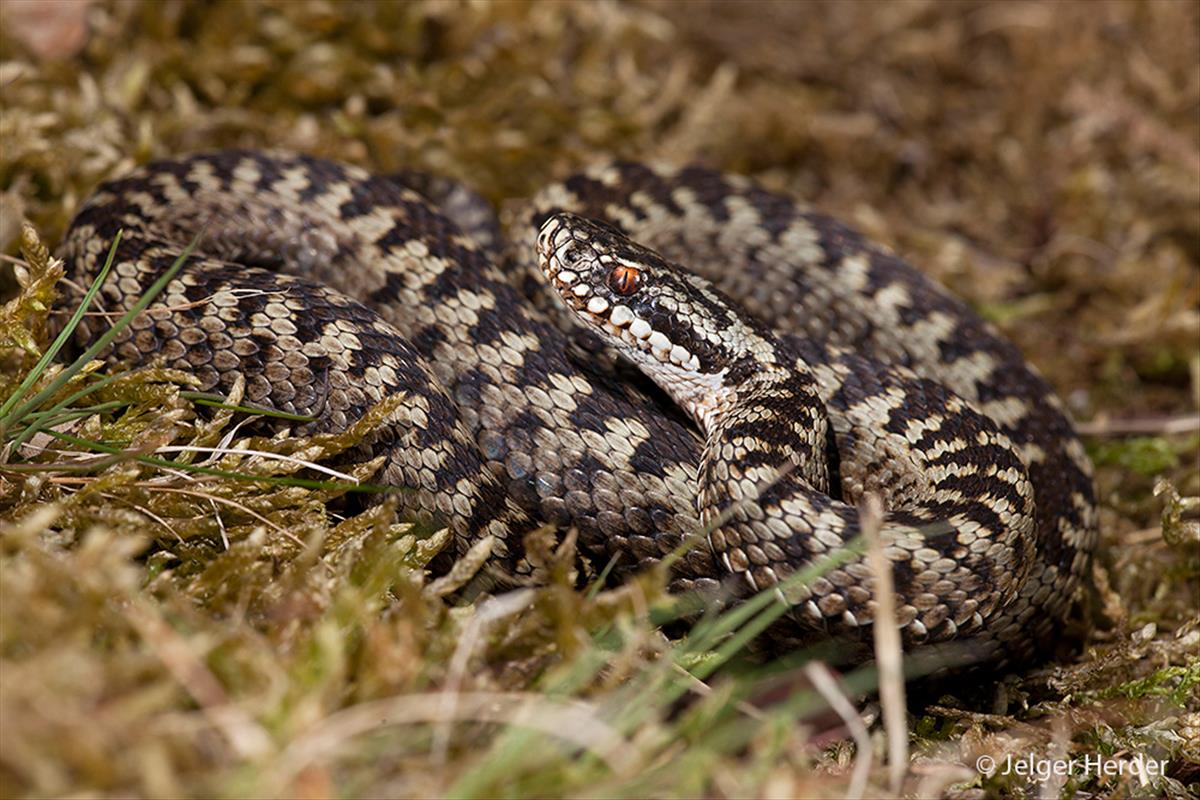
x,y
623,280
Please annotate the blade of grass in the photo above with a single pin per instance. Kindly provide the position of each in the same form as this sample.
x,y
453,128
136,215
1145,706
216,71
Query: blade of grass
x,y
216,401
53,417
220,473
888,651
5,419
40,420
602,579
824,682
106,339
746,620
266,454
742,613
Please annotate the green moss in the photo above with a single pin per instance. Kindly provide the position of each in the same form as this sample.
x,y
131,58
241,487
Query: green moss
x,y
1037,158
1144,455
1176,684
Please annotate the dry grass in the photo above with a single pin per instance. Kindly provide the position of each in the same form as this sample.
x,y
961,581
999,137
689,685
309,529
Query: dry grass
x,y
1040,159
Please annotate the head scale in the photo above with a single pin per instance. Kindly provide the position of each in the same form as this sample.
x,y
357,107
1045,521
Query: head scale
x,y
671,323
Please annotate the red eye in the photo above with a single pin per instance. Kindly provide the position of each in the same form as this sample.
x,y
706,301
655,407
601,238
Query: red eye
x,y
624,280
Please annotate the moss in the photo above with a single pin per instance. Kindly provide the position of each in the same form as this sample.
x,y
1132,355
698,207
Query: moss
x,y
1039,159
1144,455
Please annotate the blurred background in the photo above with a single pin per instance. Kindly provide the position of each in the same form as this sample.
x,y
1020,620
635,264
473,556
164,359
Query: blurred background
x,y
1041,159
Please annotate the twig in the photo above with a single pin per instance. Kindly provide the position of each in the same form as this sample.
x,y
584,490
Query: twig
x,y
702,689
221,452
490,611
147,512
1161,426
825,684
573,721
888,654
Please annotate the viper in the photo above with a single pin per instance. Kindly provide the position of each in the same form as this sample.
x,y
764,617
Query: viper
x,y
793,367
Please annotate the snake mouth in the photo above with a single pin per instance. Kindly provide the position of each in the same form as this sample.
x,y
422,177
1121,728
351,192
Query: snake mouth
x,y
577,272
556,242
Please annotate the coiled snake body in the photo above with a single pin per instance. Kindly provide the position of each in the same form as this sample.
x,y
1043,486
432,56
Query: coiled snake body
x,y
839,370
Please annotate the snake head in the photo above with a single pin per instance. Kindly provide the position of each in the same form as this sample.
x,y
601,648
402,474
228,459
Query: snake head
x,y
674,325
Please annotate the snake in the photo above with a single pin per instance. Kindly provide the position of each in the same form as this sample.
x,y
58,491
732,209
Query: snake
x,y
669,361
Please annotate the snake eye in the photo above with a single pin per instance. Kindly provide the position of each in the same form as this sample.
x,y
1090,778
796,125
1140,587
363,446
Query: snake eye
x,y
571,257
624,280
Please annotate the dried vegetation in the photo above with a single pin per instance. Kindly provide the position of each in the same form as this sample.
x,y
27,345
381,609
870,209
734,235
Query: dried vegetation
x,y
1042,159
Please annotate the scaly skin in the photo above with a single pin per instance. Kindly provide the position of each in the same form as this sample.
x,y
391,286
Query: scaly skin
x,y
508,427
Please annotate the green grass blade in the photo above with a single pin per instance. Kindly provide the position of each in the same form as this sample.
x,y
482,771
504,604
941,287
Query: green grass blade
x,y
216,401
704,636
52,418
112,333
42,419
39,420
59,341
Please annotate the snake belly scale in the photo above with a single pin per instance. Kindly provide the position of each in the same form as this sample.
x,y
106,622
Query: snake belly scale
x,y
327,289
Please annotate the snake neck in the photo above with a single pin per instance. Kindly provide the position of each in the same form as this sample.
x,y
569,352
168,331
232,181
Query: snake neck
x,y
752,398
773,418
